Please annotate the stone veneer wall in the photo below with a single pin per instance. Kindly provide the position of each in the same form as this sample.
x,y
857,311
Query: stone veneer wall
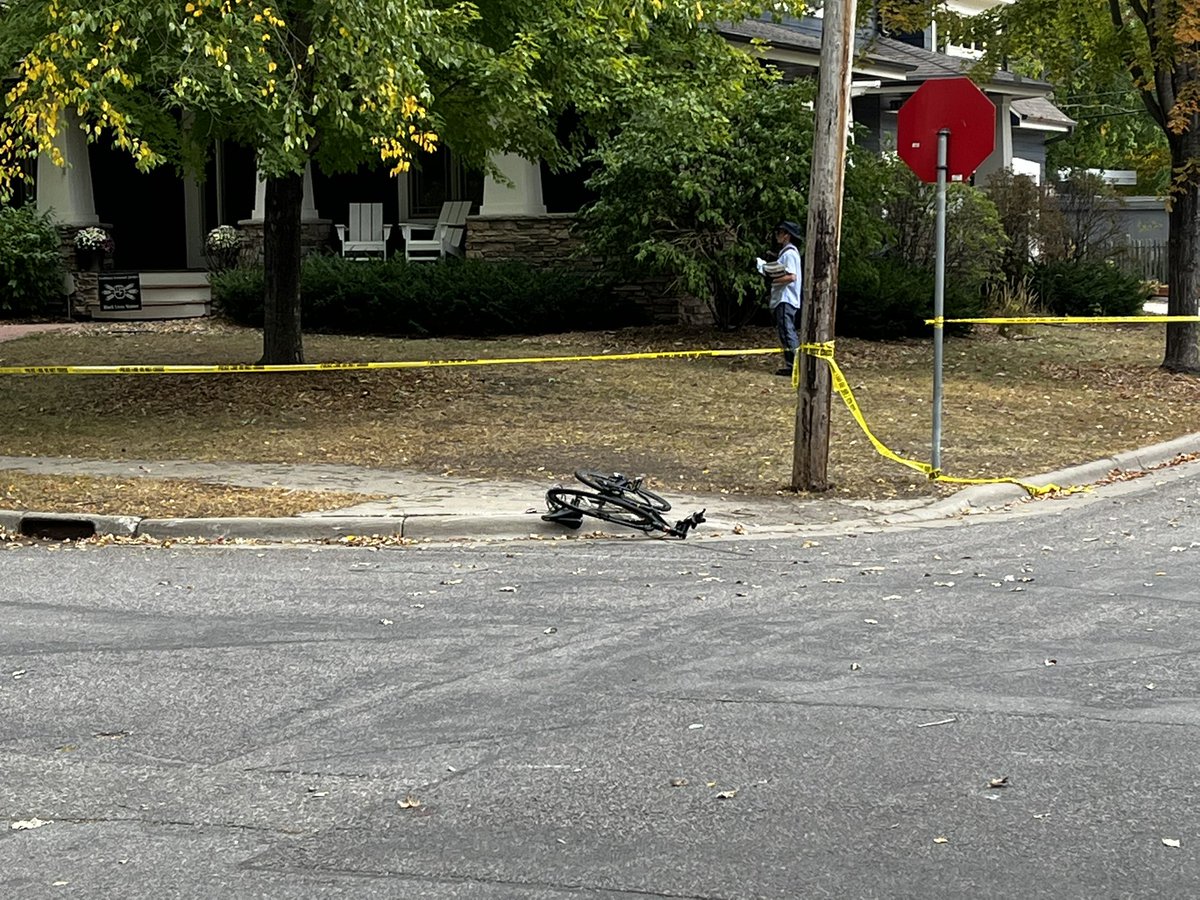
x,y
315,237
547,240
85,295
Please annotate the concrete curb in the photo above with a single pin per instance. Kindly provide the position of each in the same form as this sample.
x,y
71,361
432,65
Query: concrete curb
x,y
294,528
512,526
988,496
440,526
10,521
298,528
49,523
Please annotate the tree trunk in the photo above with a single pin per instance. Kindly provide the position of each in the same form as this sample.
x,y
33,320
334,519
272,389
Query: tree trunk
x,y
1183,261
283,342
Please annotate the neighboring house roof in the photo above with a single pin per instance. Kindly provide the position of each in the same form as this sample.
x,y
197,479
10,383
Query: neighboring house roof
x,y
1039,114
796,44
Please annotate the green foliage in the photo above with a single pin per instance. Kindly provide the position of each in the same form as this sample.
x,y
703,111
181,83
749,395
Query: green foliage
x,y
889,294
681,198
470,297
342,82
1088,288
975,237
1073,220
1104,55
892,298
31,265
1113,130
1018,201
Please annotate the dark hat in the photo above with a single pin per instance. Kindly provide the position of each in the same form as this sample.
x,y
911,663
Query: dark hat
x,y
791,228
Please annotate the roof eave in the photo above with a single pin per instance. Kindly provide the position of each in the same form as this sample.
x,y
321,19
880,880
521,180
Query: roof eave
x,y
802,56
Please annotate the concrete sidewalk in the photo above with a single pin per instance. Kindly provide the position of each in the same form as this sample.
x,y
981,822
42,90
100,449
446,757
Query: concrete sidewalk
x,y
421,506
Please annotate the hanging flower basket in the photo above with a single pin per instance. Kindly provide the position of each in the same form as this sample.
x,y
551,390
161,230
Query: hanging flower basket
x,y
93,238
92,244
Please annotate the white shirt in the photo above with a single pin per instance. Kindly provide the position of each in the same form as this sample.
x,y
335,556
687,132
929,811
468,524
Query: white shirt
x,y
789,258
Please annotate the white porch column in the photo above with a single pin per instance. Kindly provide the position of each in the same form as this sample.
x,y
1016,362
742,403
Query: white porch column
x,y
67,192
522,197
308,212
1002,155
193,222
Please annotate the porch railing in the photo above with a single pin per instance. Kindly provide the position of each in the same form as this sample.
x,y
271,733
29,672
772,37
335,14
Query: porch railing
x,y
1146,259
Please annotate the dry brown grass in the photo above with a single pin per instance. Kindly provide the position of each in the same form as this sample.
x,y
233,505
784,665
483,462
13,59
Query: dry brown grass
x,y
160,498
1067,394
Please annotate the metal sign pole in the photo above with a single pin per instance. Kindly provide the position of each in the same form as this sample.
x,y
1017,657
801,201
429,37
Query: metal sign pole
x,y
939,297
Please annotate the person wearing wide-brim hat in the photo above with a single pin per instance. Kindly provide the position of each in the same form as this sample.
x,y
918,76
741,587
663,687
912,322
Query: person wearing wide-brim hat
x,y
785,293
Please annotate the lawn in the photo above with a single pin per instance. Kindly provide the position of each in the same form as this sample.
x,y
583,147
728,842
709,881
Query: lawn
x,y
1013,406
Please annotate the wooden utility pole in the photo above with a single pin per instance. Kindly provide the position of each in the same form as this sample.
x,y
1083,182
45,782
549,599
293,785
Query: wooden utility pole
x,y
810,457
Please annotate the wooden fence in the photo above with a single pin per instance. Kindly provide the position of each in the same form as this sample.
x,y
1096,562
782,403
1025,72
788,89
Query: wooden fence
x,y
1147,259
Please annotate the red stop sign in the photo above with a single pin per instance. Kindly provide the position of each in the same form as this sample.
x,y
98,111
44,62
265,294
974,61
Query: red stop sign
x,y
961,108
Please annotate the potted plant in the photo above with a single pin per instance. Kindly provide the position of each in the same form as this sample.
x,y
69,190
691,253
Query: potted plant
x,y
91,245
223,246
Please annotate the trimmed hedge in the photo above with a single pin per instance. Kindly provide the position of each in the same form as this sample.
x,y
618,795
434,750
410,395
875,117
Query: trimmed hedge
x,y
455,297
31,265
1088,289
887,299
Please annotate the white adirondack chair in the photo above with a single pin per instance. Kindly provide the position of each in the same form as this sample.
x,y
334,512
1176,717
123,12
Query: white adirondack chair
x,y
425,242
366,234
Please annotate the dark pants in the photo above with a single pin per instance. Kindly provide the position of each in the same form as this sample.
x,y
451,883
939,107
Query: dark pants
x,y
785,326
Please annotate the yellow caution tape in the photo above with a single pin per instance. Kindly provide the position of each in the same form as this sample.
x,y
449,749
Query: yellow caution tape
x,y
1060,320
825,351
368,366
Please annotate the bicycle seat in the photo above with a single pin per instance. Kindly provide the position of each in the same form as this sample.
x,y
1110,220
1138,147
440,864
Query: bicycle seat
x,y
564,515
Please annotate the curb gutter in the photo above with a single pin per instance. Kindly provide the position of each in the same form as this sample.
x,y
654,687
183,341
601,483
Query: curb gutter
x,y
297,528
435,526
986,496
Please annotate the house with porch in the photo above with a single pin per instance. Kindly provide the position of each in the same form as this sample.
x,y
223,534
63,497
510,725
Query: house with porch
x,y
159,220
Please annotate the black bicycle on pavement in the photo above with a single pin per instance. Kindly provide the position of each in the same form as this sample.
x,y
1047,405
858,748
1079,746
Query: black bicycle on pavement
x,y
618,499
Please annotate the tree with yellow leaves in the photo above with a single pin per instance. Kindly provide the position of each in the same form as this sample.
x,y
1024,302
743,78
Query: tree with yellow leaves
x,y
341,81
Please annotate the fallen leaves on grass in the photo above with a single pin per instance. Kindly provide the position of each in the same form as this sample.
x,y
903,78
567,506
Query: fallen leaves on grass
x,y
160,497
1067,395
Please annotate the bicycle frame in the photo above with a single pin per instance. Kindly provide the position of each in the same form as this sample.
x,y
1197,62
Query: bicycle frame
x,y
619,500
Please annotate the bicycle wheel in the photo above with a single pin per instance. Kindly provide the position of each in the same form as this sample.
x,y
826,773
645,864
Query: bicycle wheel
x,y
608,507
617,485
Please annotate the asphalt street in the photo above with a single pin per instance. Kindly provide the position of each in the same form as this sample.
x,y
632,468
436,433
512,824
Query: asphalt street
x,y
999,706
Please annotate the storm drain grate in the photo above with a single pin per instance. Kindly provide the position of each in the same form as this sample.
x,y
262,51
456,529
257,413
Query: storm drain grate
x,y
57,529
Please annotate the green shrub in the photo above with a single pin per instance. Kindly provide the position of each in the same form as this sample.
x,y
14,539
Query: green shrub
x,y
889,294
694,193
890,298
975,236
31,265
1018,200
460,297
1088,289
